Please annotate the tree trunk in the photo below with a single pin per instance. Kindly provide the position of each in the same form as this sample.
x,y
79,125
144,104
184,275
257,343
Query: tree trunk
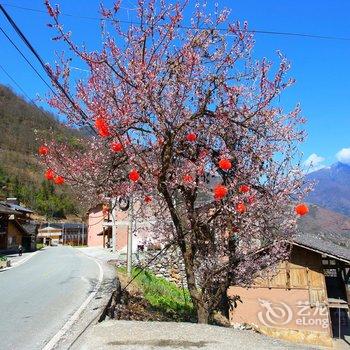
x,y
196,296
202,313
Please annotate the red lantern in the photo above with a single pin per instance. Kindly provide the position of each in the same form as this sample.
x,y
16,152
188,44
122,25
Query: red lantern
x,y
49,174
244,188
191,137
59,180
225,164
102,127
99,122
104,132
148,199
187,178
116,146
43,150
220,191
301,209
134,175
241,208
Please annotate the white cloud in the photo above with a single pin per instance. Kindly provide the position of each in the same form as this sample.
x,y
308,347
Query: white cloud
x,y
343,156
314,162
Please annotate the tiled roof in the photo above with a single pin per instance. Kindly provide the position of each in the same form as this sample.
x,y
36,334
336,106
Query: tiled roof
x,y
17,208
4,209
31,227
323,245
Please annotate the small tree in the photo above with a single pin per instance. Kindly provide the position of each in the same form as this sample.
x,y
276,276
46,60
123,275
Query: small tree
x,y
185,122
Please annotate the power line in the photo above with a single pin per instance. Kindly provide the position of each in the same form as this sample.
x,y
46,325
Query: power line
x,y
45,67
253,31
26,59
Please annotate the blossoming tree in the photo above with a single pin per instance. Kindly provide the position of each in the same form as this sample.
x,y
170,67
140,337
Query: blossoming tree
x,y
184,120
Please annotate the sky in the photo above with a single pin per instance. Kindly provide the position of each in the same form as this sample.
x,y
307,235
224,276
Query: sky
x,y
321,67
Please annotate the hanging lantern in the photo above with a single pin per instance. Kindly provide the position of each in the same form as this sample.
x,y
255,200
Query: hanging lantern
x,y
49,174
104,132
220,191
187,178
241,208
43,150
191,137
244,188
102,127
99,122
301,209
148,199
59,180
134,175
116,147
225,164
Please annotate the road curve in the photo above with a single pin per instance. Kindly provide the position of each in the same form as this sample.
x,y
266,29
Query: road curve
x,y
38,297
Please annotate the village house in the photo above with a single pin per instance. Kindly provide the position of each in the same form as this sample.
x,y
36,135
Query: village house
x,y
62,233
16,226
50,235
305,299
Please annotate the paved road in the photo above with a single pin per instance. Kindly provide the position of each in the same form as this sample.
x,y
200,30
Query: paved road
x,y
136,335
38,297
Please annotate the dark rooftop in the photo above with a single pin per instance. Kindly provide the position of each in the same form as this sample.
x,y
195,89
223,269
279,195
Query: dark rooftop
x,y
4,209
323,245
16,207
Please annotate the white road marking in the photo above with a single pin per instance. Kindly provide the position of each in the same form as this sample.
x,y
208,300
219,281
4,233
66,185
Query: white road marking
x,y
58,336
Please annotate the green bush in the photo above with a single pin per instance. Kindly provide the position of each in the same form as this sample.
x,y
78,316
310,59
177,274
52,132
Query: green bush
x,y
3,258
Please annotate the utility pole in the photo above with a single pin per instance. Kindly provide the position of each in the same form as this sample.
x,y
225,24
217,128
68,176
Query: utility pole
x,y
114,226
130,233
79,234
82,236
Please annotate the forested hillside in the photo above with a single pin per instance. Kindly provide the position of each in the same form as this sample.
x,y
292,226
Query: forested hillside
x,y
21,123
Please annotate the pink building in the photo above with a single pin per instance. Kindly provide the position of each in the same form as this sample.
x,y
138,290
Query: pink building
x,y
98,235
100,229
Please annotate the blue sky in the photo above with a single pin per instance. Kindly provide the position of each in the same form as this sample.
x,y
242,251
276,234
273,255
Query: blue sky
x,y
321,67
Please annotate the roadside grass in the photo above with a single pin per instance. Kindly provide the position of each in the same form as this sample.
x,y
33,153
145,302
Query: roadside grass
x,y
163,296
40,246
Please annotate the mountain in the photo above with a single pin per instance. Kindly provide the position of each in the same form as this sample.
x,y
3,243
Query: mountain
x,y
20,169
326,225
332,188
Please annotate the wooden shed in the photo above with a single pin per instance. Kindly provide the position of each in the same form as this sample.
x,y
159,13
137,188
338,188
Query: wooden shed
x,y
305,299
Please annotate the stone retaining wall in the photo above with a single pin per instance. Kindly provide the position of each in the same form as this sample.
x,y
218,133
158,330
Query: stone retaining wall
x,y
168,265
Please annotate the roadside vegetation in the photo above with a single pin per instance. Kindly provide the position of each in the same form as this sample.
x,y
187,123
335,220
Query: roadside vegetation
x,y
40,246
3,258
162,300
